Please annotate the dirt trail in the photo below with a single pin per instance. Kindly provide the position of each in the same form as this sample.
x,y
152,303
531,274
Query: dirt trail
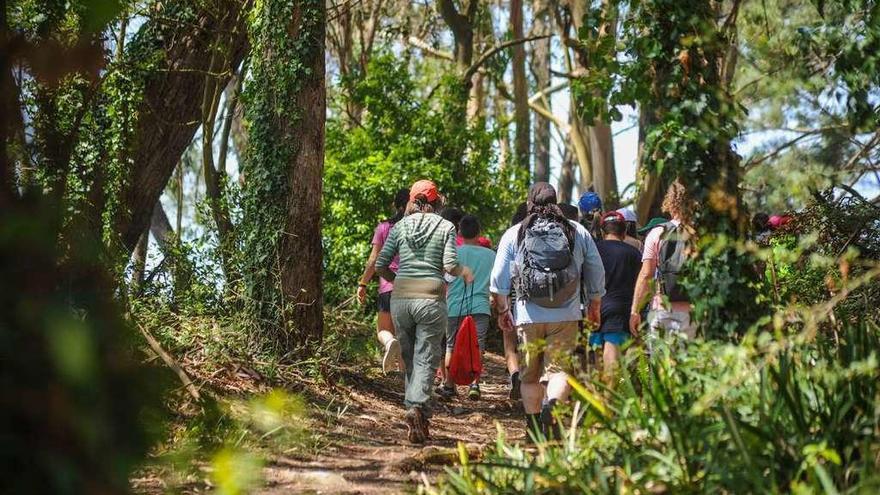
x,y
372,455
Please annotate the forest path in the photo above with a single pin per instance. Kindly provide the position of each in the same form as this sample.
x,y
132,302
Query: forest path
x,y
369,452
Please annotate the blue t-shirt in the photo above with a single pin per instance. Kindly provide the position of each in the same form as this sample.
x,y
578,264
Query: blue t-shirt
x,y
592,278
458,298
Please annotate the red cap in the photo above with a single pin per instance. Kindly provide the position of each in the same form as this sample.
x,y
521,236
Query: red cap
x,y
425,187
612,216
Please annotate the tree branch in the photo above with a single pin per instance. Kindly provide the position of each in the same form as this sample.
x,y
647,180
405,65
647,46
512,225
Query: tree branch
x,y
492,51
430,50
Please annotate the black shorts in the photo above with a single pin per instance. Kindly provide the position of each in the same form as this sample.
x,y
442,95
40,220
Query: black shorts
x,y
383,302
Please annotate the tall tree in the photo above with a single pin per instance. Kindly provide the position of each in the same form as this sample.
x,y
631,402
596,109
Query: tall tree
x,y
522,136
171,107
461,23
286,105
541,73
596,130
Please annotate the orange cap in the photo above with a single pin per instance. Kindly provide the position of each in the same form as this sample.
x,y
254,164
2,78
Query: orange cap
x,y
425,187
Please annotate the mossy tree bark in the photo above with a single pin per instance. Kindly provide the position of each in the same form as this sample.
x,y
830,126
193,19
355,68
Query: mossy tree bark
x,y
281,228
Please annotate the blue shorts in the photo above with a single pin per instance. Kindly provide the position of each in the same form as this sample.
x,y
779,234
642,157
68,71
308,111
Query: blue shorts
x,y
598,339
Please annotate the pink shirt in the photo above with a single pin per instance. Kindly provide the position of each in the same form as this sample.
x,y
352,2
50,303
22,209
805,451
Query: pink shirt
x,y
652,252
379,237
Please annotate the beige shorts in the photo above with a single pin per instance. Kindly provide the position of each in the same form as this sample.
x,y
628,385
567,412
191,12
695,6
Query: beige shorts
x,y
546,348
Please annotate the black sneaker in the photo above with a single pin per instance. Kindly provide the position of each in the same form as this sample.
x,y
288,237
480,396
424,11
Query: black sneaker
x,y
514,393
446,392
474,391
534,430
549,425
416,425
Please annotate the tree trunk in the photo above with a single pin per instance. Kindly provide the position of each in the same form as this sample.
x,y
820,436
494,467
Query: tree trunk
x,y
602,159
648,183
282,194
566,178
601,148
171,108
462,30
161,228
540,66
139,263
521,110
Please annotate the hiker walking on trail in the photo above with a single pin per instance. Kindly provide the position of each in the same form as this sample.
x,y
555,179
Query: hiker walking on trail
x,y
667,248
622,263
590,206
631,228
463,299
425,243
391,359
549,260
511,339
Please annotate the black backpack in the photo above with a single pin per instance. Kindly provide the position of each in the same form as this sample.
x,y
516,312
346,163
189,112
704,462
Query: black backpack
x,y
675,243
546,273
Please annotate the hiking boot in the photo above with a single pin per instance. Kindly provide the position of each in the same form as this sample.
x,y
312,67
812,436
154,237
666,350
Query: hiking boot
x,y
534,431
446,391
391,360
416,425
474,391
514,393
549,425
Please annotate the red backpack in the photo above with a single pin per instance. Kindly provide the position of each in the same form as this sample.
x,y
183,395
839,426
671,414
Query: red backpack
x,y
465,365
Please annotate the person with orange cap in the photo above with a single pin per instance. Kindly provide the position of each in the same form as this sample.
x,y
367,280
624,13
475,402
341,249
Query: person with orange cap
x,y
425,244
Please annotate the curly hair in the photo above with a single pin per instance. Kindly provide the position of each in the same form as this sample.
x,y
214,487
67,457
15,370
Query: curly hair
x,y
677,202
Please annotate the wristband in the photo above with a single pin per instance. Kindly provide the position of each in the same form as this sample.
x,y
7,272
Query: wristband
x,y
362,285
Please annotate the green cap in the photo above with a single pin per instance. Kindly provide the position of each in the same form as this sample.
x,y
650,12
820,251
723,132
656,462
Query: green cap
x,y
651,224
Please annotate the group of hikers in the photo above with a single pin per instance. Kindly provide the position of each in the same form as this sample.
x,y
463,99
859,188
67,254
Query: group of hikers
x,y
558,272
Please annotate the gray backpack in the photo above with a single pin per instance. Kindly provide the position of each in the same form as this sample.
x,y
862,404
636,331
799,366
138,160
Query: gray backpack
x,y
671,259
546,272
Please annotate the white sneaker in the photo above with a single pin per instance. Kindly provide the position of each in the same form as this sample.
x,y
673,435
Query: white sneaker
x,y
391,360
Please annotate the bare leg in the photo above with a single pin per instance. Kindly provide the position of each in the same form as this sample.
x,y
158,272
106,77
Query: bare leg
x,y
444,371
384,327
610,356
510,352
385,333
532,395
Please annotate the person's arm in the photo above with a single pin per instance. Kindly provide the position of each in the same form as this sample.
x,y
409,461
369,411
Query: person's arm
x,y
499,284
642,294
369,271
389,250
592,276
450,260
644,283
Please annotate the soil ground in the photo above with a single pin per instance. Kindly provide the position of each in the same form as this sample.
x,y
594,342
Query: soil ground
x,y
369,453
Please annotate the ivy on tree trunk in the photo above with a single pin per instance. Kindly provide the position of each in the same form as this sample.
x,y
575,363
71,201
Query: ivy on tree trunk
x,y
281,231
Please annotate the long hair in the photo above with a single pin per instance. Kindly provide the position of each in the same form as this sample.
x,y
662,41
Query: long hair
x,y
400,201
550,212
420,204
677,202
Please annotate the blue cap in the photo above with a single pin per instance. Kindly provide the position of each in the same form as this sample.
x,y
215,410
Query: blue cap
x,y
589,201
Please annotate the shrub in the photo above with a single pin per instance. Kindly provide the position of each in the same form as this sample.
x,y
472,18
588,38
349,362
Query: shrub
x,y
766,415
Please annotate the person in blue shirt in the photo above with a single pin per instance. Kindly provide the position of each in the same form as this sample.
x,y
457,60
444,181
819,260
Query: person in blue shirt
x,y
548,335
473,299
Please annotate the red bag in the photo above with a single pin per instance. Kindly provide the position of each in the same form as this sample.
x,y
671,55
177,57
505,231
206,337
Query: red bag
x,y
465,365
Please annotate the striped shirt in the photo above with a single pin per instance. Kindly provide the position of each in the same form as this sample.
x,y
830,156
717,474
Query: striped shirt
x,y
425,243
